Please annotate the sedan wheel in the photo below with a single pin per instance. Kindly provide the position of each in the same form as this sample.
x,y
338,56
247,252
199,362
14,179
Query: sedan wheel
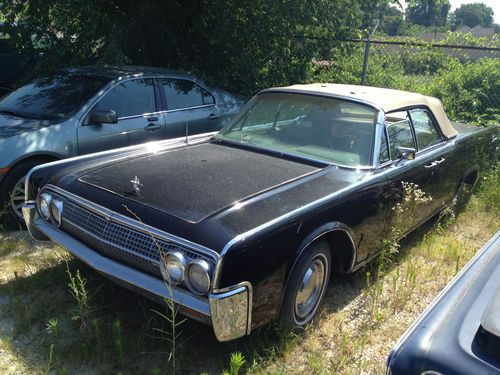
x,y
306,287
12,194
310,289
17,198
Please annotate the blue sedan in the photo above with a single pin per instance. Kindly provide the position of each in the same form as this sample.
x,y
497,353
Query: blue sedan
x,y
88,109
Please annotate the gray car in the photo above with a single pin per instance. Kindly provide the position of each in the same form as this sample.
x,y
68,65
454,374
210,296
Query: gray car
x,y
88,109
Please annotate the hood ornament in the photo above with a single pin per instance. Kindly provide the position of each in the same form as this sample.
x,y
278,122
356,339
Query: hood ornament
x,y
136,187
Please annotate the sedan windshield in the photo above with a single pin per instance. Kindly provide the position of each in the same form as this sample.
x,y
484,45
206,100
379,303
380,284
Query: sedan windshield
x,y
332,130
52,98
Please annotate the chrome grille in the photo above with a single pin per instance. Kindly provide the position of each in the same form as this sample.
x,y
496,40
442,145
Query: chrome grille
x,y
118,241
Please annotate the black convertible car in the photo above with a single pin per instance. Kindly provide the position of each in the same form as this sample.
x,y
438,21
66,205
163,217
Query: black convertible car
x,y
248,224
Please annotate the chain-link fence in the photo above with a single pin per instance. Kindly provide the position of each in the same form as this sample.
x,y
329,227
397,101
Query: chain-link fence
x,y
465,77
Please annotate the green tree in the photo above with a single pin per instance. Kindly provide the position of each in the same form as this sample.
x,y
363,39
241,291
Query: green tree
x,y
240,44
428,12
393,22
472,15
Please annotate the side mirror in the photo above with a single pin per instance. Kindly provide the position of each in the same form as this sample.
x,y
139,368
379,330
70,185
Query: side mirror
x,y
407,153
103,116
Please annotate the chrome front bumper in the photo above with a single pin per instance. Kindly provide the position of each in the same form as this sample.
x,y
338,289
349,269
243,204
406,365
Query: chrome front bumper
x,y
228,310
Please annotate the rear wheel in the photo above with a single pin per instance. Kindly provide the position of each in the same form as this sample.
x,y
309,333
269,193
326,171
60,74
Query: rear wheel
x,y
306,287
12,194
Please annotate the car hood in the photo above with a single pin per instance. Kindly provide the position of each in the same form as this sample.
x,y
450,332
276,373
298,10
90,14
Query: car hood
x,y
12,125
195,182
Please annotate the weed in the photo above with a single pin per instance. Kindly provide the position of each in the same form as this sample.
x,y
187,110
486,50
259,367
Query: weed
x,y
52,327
50,359
236,362
118,340
172,309
78,289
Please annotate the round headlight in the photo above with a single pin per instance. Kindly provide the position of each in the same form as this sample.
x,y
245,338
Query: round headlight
x,y
44,205
198,278
172,267
56,209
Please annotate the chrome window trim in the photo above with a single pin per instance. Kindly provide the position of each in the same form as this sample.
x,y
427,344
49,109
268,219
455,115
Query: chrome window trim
x,y
133,224
188,108
147,114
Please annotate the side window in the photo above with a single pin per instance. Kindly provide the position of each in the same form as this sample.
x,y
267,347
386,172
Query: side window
x,y
384,150
130,98
425,128
399,132
183,93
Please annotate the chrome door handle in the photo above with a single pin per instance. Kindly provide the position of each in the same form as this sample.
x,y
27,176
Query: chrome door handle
x,y
439,161
152,127
430,165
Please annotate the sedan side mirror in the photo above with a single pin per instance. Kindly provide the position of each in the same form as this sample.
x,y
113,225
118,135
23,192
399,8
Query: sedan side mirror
x,y
103,116
407,153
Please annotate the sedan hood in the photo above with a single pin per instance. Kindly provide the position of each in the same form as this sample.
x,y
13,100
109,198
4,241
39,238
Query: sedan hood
x,y
12,125
195,182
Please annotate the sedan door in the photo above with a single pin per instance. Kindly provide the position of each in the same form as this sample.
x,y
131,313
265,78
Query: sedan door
x,y
405,177
139,120
191,108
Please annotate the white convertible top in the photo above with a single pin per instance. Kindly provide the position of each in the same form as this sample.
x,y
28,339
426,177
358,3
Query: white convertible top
x,y
387,99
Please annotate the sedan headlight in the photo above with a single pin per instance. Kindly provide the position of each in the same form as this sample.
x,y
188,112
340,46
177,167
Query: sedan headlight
x,y
56,209
44,205
198,276
172,267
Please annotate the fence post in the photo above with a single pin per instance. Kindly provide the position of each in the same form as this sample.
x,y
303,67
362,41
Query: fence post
x,y
367,51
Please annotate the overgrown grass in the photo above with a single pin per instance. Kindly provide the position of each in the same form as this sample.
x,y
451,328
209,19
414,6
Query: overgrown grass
x,y
363,316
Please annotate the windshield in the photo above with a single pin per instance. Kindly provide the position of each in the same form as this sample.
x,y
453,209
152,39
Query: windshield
x,y
332,130
52,98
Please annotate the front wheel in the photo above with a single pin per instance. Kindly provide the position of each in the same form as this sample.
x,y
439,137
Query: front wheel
x,y
306,287
12,194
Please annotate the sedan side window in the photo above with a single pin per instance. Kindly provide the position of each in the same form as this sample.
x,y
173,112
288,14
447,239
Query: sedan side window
x,y
425,128
130,98
183,93
399,132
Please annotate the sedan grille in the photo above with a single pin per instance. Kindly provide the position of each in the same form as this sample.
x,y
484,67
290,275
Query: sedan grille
x,y
118,241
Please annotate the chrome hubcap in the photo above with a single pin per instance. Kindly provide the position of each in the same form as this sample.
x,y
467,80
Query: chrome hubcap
x,y
310,289
17,197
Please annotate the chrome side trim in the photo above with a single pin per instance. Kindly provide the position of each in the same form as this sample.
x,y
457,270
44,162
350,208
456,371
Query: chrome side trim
x,y
119,271
244,236
231,311
133,224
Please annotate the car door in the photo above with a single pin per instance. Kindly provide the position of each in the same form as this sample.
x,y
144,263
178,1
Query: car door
x,y
439,153
139,120
404,174
191,109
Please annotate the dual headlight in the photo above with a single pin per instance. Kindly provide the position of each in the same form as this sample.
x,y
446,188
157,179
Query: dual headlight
x,y
176,269
51,208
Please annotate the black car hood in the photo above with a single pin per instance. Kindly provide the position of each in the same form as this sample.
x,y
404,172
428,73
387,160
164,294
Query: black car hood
x,y
195,182
12,125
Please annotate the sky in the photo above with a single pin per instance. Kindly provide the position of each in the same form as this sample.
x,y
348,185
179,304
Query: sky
x,y
493,4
